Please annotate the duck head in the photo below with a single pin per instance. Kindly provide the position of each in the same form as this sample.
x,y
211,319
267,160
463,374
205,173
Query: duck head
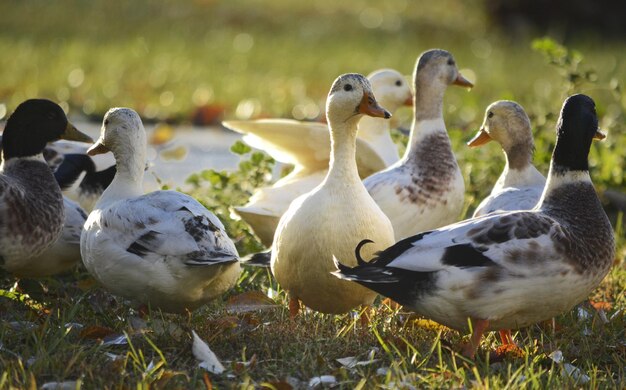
x,y
391,88
439,66
121,130
576,128
350,98
505,122
33,124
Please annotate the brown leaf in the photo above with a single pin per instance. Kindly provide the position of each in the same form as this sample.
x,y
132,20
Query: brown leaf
x,y
250,301
276,385
96,332
606,306
86,284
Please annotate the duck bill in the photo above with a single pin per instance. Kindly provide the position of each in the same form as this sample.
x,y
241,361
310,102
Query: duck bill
x,y
97,148
481,138
369,106
71,133
409,101
462,81
599,135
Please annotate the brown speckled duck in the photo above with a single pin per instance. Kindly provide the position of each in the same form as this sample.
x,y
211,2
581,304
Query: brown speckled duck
x,y
425,189
513,269
31,205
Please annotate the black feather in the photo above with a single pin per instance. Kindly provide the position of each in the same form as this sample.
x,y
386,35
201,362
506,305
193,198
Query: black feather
x,y
357,250
261,259
464,256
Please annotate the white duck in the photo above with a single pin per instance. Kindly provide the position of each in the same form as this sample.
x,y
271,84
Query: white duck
x,y
425,189
307,146
512,269
162,249
520,186
335,216
32,210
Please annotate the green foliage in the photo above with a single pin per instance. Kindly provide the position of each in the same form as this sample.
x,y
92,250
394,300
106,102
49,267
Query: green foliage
x,y
220,191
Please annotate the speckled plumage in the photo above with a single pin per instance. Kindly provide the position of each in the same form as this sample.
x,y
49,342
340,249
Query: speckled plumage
x,y
31,205
425,188
163,248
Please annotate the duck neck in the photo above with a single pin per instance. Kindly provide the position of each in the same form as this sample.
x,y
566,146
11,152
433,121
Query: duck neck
x,y
566,183
519,156
428,120
343,151
128,180
376,131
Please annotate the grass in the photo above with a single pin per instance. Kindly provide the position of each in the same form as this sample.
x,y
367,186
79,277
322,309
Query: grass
x,y
272,58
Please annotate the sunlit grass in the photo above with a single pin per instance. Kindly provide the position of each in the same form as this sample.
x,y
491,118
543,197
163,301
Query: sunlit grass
x,y
271,58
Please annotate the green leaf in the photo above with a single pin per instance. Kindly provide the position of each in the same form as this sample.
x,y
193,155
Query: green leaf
x,y
240,148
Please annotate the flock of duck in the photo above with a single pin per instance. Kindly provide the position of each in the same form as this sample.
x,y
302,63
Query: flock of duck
x,y
534,248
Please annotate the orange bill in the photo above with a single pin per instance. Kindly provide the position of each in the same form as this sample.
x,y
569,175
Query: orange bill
x,y
369,106
462,81
97,148
481,138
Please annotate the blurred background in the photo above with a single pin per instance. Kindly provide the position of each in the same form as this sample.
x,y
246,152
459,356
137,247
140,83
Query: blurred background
x,y
198,62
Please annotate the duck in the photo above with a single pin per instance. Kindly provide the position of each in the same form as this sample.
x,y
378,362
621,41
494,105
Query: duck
x,y
510,269
424,189
306,145
520,185
163,249
335,216
32,211
82,178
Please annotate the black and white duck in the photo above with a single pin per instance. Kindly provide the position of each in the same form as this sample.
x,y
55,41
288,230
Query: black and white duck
x,y
163,248
513,269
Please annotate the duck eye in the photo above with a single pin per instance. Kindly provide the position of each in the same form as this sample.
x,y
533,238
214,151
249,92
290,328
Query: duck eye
x,y
347,87
399,83
450,61
489,114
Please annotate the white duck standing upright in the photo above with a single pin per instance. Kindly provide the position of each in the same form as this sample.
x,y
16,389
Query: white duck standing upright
x,y
163,248
520,185
425,189
511,269
306,145
32,209
335,216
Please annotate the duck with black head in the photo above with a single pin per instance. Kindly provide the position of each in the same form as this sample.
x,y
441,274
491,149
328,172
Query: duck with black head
x,y
513,269
31,205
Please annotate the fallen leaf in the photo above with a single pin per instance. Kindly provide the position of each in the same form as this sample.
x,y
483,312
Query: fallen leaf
x,y
96,332
250,301
210,114
239,367
67,385
202,352
115,339
175,153
322,380
277,385
606,306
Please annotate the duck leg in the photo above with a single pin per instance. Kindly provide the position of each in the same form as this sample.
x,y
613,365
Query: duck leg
x,y
506,337
478,328
294,306
364,318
